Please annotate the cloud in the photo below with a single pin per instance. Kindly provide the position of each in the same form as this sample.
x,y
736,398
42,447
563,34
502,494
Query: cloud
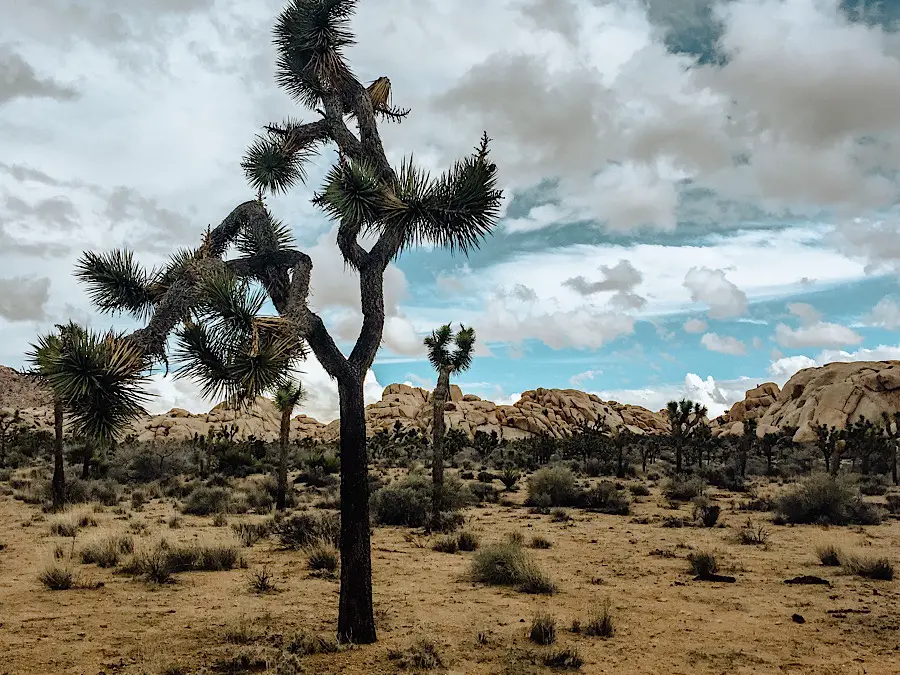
x,y
694,326
717,396
723,344
885,314
322,400
18,80
807,314
579,379
24,298
622,279
819,334
724,299
784,368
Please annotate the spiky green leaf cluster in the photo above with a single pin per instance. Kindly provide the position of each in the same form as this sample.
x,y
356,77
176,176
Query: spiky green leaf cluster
x,y
310,36
289,395
440,354
455,211
97,377
233,352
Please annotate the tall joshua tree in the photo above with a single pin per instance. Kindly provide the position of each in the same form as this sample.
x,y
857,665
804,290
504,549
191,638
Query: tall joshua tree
x,y
96,378
366,196
684,416
287,398
448,353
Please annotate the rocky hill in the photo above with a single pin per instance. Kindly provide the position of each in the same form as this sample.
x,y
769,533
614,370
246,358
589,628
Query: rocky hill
x,y
834,394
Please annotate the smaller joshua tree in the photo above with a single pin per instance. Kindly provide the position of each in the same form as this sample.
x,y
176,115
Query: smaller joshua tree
x,y
684,416
287,398
96,379
448,353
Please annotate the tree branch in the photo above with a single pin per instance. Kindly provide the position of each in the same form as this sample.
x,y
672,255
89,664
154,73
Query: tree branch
x,y
371,296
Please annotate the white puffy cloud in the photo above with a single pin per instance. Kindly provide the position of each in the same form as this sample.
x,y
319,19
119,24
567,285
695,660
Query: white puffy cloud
x,y
723,344
24,298
784,368
321,402
709,286
819,334
695,326
717,396
885,314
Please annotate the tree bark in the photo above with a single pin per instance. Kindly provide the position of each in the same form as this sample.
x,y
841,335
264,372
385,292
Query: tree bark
x,y
677,455
86,466
284,438
59,479
356,620
894,463
439,398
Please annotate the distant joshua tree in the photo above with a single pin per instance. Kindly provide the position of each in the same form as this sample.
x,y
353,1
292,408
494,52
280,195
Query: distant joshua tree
x,y
288,396
449,354
366,196
684,416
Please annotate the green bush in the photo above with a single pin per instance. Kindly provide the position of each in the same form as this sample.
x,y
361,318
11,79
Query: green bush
x,y
683,488
303,529
826,500
205,501
407,502
508,564
605,497
552,486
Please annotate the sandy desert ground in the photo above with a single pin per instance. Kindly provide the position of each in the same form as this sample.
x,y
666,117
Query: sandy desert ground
x,y
664,621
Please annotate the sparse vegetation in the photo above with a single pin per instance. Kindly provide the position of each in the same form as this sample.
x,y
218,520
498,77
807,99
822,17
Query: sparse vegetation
x,y
543,629
829,555
322,556
826,500
541,542
262,580
299,530
107,551
58,575
683,488
423,654
703,564
508,564
564,658
880,569
600,622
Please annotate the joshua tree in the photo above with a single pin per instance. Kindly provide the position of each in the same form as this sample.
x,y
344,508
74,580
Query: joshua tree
x,y
830,445
366,196
448,353
747,441
96,379
892,431
286,399
7,421
684,416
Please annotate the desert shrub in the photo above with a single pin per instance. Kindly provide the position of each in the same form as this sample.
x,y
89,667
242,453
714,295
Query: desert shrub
x,y
751,535
600,623
250,533
486,477
543,629
159,562
262,580
639,490
507,564
322,556
869,568
309,644
605,497
893,504
467,541
703,563
138,499
723,477
484,492
567,658
68,524
58,575
560,516
446,544
448,521
106,552
205,500
423,654
515,537
63,528
107,492
552,486
683,488
761,504
829,555
510,477
826,499
874,485
219,520
541,542
407,502
241,632
706,512
299,530
672,521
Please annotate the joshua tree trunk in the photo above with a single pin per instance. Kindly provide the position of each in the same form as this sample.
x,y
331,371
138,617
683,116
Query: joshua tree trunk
x,y
59,479
86,465
835,460
677,455
439,397
284,437
894,463
356,621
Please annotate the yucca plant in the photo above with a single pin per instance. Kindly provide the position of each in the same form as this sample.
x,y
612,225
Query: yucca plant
x,y
366,196
449,354
684,417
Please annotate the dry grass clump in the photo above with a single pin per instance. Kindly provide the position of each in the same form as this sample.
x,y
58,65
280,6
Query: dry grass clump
x,y
159,562
106,551
600,623
322,556
262,581
307,644
829,555
250,533
541,542
508,564
566,658
423,654
69,524
58,575
880,569
703,563
543,629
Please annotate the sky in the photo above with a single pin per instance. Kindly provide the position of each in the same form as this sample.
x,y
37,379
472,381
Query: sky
x,y
700,196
